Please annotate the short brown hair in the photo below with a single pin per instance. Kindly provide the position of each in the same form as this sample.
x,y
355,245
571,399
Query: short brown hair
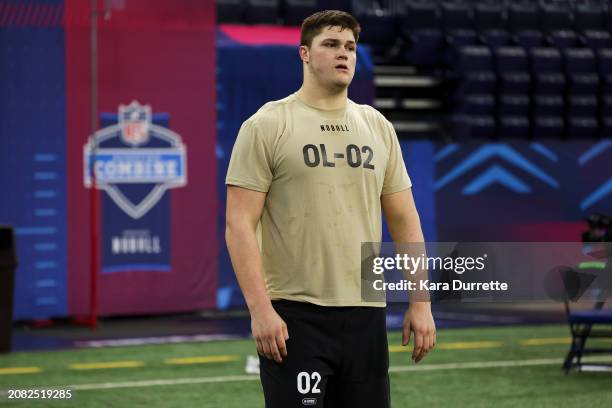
x,y
314,24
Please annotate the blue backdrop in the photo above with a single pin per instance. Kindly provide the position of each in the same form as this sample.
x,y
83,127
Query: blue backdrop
x,y
33,163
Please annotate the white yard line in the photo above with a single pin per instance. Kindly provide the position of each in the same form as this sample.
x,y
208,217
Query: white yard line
x,y
478,364
242,378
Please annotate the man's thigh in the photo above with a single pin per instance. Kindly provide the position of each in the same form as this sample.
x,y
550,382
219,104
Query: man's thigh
x,y
301,380
373,392
364,378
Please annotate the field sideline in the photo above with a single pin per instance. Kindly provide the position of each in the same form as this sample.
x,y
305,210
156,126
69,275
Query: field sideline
x,y
512,366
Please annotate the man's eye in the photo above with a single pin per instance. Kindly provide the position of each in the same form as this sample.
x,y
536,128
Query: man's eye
x,y
351,48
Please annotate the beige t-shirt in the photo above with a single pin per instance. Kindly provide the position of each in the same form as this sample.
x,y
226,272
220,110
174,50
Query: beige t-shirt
x,y
324,172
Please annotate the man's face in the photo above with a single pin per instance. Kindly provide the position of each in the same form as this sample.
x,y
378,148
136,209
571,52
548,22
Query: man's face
x,y
332,57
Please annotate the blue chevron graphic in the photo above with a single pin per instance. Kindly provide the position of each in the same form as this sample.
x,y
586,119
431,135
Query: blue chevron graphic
x,y
597,195
446,151
496,174
594,151
491,150
544,151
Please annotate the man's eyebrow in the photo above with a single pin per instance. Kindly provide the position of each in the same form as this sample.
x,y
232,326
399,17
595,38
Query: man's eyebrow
x,y
335,40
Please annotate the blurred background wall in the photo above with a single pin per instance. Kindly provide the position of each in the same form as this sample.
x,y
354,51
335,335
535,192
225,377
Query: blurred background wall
x,y
484,168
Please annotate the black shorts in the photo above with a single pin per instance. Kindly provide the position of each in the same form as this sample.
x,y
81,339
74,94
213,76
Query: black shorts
x,y
336,357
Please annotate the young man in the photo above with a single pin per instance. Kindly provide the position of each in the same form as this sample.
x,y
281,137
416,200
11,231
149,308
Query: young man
x,y
315,169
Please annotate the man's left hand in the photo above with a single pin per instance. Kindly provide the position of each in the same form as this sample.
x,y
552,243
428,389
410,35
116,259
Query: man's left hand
x,y
419,320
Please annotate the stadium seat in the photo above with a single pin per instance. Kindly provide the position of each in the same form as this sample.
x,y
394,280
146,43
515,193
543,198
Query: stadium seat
x,y
424,48
604,58
475,83
511,59
262,11
549,83
455,39
478,105
461,37
419,15
523,16
548,105
582,105
579,60
468,127
583,84
608,19
548,127
456,16
382,32
546,59
473,58
581,71
230,11
563,39
606,127
582,127
529,38
555,16
515,127
589,16
489,16
547,71
295,11
474,70
597,40
513,105
514,83
496,38
606,106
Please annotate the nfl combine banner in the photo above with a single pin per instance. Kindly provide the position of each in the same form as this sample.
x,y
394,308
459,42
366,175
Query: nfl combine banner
x,y
152,154
135,161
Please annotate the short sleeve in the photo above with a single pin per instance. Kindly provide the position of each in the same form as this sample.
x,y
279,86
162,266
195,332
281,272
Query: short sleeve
x,y
251,163
396,175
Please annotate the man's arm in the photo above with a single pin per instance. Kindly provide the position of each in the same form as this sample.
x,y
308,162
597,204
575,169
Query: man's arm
x,y
244,208
405,227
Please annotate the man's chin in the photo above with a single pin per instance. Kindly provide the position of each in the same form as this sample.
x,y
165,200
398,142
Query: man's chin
x,y
340,84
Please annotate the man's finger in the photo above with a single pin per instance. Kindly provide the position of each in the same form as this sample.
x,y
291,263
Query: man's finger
x,y
259,347
406,332
285,332
424,350
266,349
418,345
275,354
282,347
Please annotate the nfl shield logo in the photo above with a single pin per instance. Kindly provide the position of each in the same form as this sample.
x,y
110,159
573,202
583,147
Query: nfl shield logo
x,y
135,121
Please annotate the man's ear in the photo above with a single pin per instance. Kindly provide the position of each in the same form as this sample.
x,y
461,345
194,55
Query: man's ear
x,y
304,53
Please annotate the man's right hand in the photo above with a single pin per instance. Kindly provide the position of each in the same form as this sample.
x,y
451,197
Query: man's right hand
x,y
270,333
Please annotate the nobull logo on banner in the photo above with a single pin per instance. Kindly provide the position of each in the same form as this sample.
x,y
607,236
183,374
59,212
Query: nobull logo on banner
x,y
135,161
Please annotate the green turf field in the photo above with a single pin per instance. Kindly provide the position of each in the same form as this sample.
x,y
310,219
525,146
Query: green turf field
x,y
503,367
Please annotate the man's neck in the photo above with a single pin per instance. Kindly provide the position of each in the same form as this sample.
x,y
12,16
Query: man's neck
x,y
323,99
